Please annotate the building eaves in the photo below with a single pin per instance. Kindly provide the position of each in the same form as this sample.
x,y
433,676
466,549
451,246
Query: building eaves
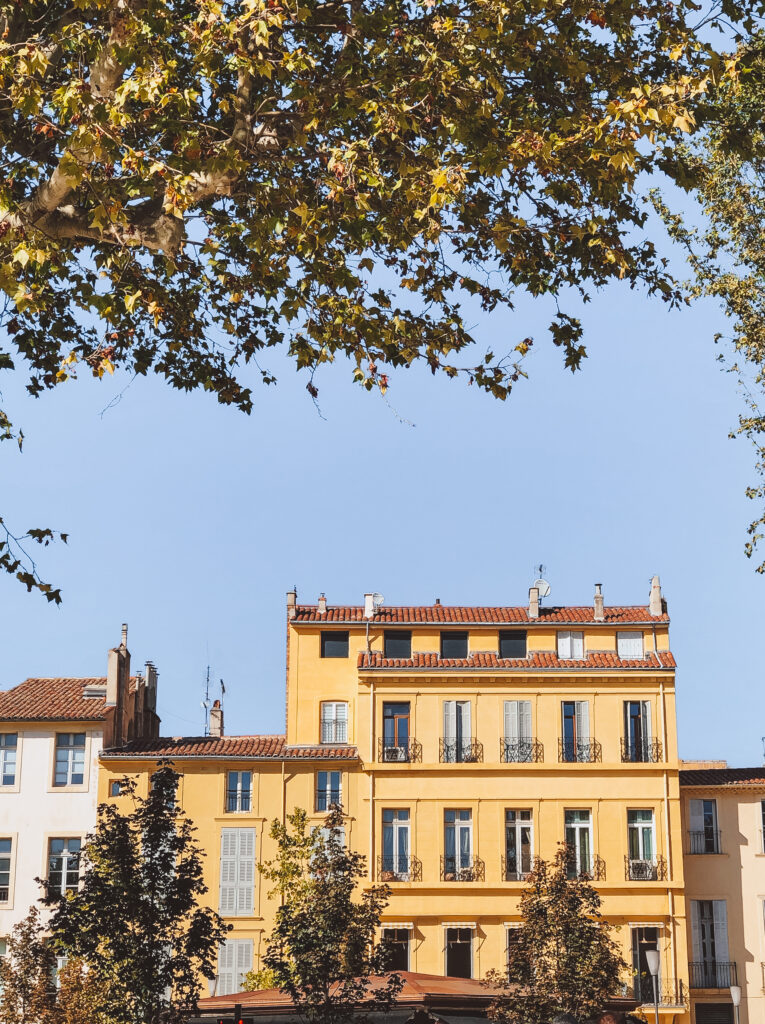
x,y
727,777
254,748
535,662
476,616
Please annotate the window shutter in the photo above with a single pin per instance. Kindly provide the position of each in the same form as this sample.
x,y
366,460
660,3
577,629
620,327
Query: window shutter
x,y
524,719
583,721
645,715
243,961
228,863
226,968
577,645
450,720
246,871
511,721
696,930
720,915
696,814
564,644
326,722
464,718
341,733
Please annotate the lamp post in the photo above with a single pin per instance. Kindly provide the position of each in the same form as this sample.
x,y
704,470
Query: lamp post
x,y
652,959
735,994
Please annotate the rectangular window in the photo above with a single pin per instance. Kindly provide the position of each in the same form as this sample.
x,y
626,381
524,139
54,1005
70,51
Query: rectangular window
x,y
454,643
637,730
570,644
329,791
234,962
579,842
643,939
518,745
334,722
115,788
457,743
459,952
334,643
8,745
711,966
237,871
512,643
6,850
239,791
397,941
458,845
64,865
395,731
395,855
641,842
703,836
397,643
519,845
512,935
70,759
629,644
576,730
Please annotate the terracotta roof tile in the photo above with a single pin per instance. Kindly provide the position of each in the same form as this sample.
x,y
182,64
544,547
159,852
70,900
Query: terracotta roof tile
x,y
487,616
538,660
54,699
262,748
723,777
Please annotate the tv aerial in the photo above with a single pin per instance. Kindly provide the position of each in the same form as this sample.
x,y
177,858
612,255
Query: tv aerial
x,y
540,582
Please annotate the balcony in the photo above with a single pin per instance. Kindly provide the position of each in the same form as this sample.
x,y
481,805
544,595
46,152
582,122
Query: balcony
x,y
460,751
712,974
399,869
451,872
583,751
647,750
521,751
645,870
512,873
407,753
704,841
328,798
596,872
670,992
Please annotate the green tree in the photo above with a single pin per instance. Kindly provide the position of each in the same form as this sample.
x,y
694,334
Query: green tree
x,y
322,951
27,991
188,184
563,958
136,921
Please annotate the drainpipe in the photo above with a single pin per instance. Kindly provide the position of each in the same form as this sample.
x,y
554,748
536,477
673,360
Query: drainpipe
x,y
371,776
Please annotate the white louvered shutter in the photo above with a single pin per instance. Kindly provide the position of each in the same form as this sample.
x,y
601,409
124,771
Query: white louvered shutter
x,y
564,644
524,720
577,645
696,814
511,721
720,914
629,644
450,720
645,714
696,930
245,871
327,719
228,871
582,712
464,716
226,968
341,730
243,961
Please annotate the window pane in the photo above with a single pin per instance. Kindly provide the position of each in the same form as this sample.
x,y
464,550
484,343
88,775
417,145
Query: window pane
x,y
454,644
512,643
397,643
334,644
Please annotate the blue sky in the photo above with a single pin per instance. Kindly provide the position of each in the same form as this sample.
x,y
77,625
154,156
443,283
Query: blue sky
x,y
190,521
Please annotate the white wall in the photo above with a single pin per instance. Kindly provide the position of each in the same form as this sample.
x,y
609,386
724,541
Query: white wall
x,y
37,811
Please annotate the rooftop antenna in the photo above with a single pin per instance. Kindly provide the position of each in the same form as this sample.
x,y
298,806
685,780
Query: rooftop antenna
x,y
540,582
205,705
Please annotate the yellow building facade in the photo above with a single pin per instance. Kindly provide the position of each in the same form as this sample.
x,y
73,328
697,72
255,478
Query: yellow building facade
x,y
461,742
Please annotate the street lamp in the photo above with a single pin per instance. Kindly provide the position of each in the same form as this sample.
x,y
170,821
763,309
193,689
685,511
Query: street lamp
x,y
735,994
652,959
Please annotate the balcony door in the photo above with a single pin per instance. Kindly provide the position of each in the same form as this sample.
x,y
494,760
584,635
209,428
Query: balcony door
x,y
457,734
709,935
396,732
704,834
458,842
637,729
644,939
459,952
576,730
395,844
579,842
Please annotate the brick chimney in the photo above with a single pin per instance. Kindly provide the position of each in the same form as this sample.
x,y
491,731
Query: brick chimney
x,y
291,603
117,680
322,604
655,601
599,612
533,602
216,719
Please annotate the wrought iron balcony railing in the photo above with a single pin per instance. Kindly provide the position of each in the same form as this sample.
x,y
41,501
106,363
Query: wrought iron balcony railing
x,y
326,798
512,873
4,893
579,750
409,752
705,840
236,800
645,870
670,992
460,751
596,870
399,869
712,974
521,751
454,870
645,750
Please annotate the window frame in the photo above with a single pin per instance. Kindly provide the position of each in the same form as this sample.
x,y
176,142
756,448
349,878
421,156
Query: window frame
x,y
334,636
639,828
579,826
398,942
454,635
334,722
65,838
70,787
238,792
11,787
507,635
12,837
401,821
458,825
517,826
390,636
624,634
571,635
328,790
458,928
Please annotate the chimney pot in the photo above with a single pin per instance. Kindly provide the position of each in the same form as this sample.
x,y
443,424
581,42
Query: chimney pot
x,y
600,614
124,634
655,601
322,604
438,600
291,602
216,719
369,606
533,602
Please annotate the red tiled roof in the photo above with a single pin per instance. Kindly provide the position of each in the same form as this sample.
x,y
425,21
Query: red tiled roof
x,y
54,699
614,615
723,777
261,748
537,660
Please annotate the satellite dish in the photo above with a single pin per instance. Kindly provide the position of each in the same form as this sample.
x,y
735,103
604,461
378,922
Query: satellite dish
x,y
377,600
543,587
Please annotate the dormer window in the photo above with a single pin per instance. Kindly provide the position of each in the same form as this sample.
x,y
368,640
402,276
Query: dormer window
x,y
629,644
397,643
570,644
334,643
512,643
454,643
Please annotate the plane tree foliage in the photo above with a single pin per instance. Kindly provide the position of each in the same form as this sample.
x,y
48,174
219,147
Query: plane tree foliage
x,y
189,184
